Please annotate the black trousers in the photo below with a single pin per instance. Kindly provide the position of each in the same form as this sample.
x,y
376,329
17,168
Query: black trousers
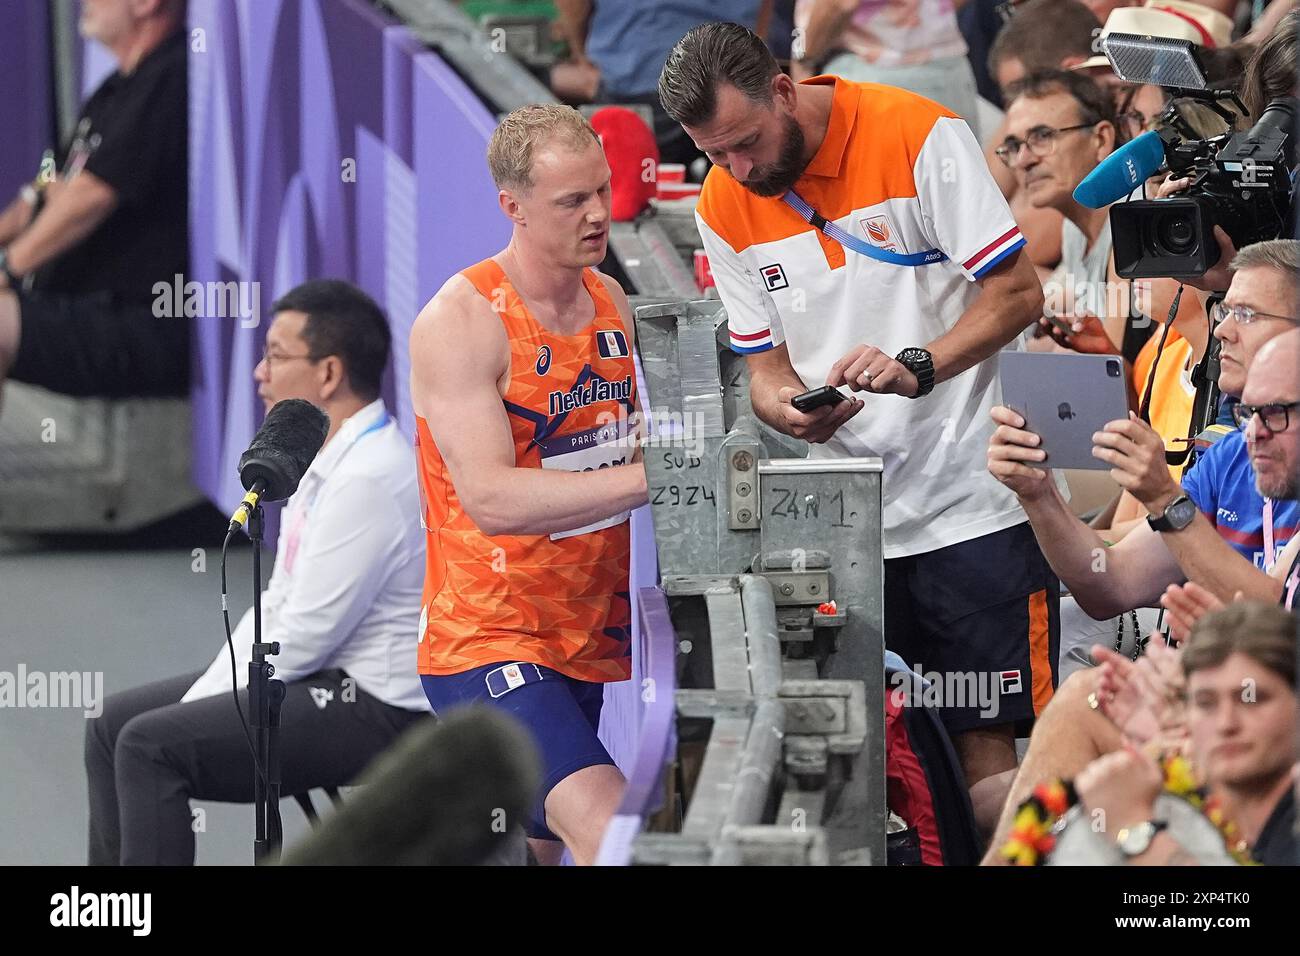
x,y
148,755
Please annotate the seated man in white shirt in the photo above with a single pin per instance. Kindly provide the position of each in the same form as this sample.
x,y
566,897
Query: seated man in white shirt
x,y
343,601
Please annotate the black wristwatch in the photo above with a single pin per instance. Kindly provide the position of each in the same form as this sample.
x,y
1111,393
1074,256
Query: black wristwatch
x,y
921,364
1178,514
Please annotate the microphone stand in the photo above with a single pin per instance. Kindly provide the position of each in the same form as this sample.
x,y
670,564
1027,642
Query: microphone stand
x,y
265,695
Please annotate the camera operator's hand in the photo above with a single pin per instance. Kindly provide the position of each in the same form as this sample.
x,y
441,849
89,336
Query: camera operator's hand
x,y
1086,335
1218,277
867,369
1172,186
1011,449
1136,454
817,425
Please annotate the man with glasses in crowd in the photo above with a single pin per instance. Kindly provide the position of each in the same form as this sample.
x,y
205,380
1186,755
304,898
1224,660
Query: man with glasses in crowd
x,y
1219,530
1192,531
1060,125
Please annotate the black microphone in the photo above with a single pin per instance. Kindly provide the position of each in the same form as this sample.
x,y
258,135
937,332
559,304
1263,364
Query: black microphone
x,y
279,454
449,792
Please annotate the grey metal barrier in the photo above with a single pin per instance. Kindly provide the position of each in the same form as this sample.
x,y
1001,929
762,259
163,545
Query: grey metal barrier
x,y
771,566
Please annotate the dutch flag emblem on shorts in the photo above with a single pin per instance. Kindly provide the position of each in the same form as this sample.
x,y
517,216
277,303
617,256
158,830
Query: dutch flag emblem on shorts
x,y
611,343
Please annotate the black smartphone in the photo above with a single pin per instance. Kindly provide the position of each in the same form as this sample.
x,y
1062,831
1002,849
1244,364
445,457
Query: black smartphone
x,y
817,397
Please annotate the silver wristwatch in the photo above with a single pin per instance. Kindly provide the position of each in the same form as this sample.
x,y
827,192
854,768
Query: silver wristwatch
x,y
1134,841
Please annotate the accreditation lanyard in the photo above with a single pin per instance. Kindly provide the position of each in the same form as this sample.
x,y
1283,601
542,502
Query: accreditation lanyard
x,y
858,245
1270,556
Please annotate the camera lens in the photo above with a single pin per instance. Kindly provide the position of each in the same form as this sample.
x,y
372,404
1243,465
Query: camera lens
x,y
1175,234
1112,368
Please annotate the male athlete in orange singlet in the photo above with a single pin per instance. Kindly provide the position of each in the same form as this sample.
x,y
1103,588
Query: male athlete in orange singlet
x,y
523,385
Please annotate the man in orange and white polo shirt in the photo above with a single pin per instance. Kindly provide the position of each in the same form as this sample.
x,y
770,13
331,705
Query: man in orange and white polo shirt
x,y
967,590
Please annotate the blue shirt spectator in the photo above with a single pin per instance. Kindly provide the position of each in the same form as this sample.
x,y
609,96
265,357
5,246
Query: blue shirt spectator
x,y
1222,483
629,39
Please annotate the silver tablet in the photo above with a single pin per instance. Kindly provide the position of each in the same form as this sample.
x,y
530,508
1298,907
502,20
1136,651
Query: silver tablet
x,y
1065,398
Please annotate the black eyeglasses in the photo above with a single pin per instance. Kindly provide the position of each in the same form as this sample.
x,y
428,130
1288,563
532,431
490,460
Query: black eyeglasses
x,y
1041,141
1276,416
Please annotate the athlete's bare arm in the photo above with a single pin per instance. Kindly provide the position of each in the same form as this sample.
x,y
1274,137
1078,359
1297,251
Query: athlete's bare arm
x,y
459,357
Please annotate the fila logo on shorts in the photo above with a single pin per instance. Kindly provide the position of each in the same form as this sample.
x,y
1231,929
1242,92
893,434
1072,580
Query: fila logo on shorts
x,y
1011,683
611,343
774,277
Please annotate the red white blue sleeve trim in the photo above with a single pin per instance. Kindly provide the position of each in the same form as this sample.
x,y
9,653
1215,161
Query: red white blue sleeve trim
x,y
748,342
997,250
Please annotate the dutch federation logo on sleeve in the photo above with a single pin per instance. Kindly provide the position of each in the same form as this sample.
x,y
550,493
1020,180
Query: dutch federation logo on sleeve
x,y
612,343
774,277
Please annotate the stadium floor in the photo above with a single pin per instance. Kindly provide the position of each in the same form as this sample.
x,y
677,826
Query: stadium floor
x,y
141,596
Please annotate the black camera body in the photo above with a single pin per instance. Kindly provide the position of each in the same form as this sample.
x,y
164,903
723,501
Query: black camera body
x,y
1241,182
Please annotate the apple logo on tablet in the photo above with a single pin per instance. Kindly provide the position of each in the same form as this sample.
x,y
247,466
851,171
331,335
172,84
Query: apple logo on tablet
x,y
1064,411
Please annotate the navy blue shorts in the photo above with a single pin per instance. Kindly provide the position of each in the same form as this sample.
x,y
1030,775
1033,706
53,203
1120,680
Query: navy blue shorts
x,y
561,714
981,621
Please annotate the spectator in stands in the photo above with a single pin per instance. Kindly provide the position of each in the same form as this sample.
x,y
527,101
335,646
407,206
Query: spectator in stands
x,y
1041,35
1269,415
1240,670
1139,568
343,602
1059,126
980,22
618,47
911,44
79,257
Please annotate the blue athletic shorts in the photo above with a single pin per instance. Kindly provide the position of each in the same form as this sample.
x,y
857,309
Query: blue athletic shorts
x,y
561,714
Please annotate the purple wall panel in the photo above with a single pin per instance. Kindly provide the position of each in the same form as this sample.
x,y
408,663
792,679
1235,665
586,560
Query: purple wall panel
x,y
25,108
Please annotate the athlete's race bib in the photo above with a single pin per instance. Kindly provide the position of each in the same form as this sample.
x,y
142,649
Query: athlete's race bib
x,y
595,448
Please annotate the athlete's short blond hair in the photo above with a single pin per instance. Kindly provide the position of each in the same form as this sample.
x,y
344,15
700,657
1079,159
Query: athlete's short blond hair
x,y
510,151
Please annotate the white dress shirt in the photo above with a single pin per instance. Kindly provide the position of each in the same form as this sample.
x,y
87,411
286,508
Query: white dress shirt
x,y
349,570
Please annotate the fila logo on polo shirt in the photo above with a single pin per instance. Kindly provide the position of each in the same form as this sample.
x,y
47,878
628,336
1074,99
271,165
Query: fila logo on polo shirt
x,y
612,343
774,277
1011,682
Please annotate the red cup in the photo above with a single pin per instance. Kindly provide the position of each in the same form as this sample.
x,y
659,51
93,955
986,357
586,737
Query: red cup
x,y
671,191
703,272
671,173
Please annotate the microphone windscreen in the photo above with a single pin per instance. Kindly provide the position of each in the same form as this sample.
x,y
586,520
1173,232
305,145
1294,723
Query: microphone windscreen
x,y
449,792
1122,171
284,447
